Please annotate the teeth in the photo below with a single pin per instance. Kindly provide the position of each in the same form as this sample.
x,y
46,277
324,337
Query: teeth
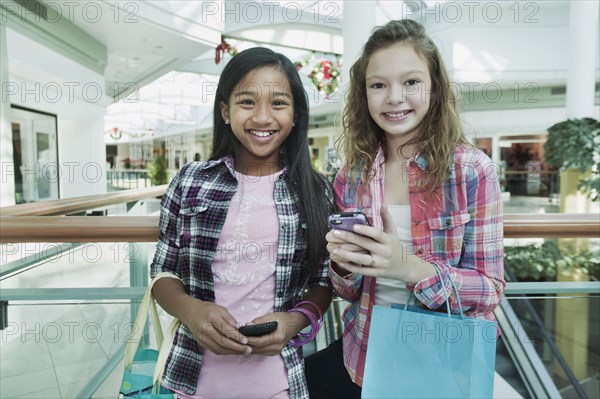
x,y
260,133
397,115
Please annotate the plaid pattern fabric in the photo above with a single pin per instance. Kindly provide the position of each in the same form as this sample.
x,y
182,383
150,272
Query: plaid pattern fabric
x,y
458,227
193,211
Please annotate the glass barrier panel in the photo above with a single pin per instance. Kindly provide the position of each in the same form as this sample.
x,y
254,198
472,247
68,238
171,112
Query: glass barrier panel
x,y
564,259
70,265
56,348
564,330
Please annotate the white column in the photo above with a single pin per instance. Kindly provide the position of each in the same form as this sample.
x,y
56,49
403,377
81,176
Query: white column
x,y
583,58
358,23
7,165
496,148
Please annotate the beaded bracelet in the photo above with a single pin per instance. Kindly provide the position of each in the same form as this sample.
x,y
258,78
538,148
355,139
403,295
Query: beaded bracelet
x,y
304,338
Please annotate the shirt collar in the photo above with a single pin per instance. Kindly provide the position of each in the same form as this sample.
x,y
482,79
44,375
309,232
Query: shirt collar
x,y
418,159
229,163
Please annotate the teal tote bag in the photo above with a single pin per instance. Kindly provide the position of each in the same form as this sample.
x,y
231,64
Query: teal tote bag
x,y
418,353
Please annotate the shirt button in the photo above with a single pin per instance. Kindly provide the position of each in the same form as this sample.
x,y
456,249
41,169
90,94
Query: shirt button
x,y
420,251
278,199
282,262
448,222
280,177
280,294
417,222
284,226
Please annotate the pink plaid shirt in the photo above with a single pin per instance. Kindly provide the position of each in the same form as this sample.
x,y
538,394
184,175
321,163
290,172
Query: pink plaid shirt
x,y
458,227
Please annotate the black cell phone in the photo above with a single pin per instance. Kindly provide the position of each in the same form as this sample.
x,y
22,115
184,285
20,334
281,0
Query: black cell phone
x,y
345,220
256,330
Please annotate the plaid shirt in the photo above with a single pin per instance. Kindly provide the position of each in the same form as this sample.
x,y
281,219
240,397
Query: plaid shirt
x,y
193,211
458,228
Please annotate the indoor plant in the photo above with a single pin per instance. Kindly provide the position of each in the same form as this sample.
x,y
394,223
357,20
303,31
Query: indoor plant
x,y
572,145
157,171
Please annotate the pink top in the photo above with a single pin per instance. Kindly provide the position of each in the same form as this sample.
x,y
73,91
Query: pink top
x,y
244,278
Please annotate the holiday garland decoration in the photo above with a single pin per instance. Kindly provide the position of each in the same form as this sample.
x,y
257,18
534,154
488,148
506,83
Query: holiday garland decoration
x,y
115,133
223,48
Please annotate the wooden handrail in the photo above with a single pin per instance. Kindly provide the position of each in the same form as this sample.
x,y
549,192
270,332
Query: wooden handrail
x,y
68,206
552,225
145,228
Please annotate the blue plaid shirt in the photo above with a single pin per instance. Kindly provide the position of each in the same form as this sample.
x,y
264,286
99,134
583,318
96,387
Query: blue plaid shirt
x,y
193,211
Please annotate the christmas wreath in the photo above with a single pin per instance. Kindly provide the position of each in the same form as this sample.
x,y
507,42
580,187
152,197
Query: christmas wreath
x,y
325,75
115,133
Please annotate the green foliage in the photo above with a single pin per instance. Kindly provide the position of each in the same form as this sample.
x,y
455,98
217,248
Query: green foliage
x,y
591,185
541,262
157,171
575,143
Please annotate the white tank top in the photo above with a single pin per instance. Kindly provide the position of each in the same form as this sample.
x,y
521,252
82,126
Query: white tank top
x,y
389,291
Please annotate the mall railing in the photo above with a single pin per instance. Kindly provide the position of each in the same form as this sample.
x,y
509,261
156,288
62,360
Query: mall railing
x,y
70,206
139,229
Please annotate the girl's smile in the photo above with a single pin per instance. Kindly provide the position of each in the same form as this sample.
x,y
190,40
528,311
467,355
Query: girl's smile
x,y
263,134
397,115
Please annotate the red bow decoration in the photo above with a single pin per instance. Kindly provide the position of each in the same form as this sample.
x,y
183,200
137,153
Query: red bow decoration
x,y
223,48
326,65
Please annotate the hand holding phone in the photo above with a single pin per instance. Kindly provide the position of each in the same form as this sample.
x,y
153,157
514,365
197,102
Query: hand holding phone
x,y
256,330
345,220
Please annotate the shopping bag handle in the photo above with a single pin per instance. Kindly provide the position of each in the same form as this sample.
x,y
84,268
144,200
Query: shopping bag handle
x,y
146,305
446,296
163,355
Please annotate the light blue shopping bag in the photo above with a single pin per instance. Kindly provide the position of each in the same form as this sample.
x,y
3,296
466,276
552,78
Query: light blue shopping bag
x,y
418,353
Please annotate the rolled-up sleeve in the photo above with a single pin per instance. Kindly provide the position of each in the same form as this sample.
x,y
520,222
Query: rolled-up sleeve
x,y
479,275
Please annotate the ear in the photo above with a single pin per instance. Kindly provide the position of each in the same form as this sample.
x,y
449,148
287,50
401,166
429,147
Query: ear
x,y
224,111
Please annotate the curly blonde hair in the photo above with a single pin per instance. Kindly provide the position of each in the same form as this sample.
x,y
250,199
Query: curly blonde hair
x,y
439,131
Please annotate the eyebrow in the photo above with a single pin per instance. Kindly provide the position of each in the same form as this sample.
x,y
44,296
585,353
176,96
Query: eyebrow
x,y
410,72
253,93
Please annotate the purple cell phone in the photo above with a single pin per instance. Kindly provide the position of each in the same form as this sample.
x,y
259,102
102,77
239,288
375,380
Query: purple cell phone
x,y
345,220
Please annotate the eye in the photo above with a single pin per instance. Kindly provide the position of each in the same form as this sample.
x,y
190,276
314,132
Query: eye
x,y
246,101
377,86
411,82
279,103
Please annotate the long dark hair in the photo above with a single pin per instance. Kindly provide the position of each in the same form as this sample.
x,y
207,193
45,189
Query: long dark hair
x,y
304,182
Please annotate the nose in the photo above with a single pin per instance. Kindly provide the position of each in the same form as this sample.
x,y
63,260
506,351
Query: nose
x,y
396,94
262,115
